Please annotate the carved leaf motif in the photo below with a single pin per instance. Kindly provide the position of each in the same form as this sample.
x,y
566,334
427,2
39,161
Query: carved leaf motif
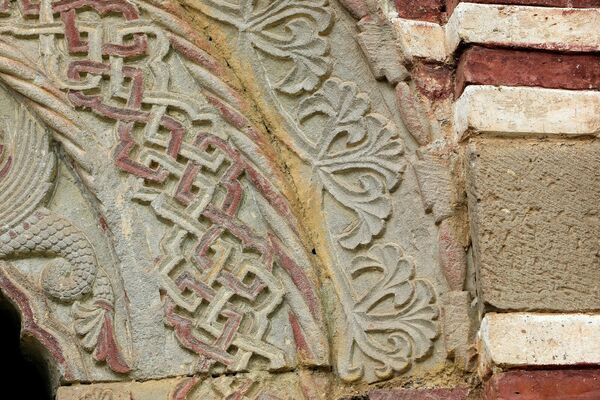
x,y
398,306
357,158
88,324
93,322
284,29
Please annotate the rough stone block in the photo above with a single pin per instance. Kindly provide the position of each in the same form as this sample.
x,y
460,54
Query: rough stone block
x,y
435,184
534,216
544,385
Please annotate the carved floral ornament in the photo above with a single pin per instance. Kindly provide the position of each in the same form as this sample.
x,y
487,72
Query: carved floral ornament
x,y
130,79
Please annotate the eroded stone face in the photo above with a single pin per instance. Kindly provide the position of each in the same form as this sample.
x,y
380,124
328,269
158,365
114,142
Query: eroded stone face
x,y
255,386
534,219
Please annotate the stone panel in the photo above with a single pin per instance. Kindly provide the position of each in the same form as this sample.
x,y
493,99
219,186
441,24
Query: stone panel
x,y
535,223
223,197
256,386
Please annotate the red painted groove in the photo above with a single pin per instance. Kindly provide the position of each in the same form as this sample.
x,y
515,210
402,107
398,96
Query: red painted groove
x,y
509,67
29,325
547,385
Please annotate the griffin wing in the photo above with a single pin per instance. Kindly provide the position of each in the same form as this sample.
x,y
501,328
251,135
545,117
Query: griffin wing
x,y
27,167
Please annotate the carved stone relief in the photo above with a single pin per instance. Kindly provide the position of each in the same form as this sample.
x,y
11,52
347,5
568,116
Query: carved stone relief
x,y
346,142
233,195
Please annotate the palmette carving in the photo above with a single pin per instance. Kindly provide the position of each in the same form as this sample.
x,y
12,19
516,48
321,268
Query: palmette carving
x,y
282,29
94,324
358,161
393,320
357,157
28,229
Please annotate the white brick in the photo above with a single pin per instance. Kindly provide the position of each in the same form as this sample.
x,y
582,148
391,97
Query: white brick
x,y
421,39
528,339
543,27
526,111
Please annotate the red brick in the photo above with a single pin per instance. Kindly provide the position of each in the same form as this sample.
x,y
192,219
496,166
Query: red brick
x,y
510,67
423,10
419,394
433,80
544,385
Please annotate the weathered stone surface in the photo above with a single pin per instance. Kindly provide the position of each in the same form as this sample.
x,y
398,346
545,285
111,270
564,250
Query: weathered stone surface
x,y
214,199
421,39
534,221
518,26
526,111
257,386
167,246
516,340
459,328
509,67
547,385
377,40
453,257
413,114
433,169
419,394
346,152
358,8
